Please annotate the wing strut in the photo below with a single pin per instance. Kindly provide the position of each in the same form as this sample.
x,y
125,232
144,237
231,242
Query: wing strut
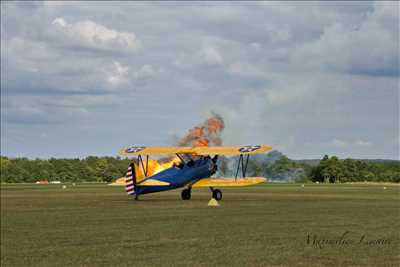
x,y
242,164
140,160
181,159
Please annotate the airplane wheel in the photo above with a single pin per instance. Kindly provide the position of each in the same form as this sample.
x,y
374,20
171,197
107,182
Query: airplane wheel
x,y
217,194
186,194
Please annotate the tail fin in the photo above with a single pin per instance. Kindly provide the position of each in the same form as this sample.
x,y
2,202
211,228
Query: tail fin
x,y
130,179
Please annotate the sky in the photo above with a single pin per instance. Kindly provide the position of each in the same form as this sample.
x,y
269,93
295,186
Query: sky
x,y
308,78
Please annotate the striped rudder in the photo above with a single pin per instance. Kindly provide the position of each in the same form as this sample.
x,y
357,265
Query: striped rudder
x,y
130,180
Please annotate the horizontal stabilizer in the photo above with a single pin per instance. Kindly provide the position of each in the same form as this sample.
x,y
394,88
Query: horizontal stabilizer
x,y
153,182
224,182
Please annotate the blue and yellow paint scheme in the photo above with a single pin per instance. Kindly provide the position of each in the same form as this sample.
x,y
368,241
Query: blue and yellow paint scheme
x,y
192,167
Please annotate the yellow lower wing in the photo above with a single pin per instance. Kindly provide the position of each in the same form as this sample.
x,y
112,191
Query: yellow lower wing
x,y
152,182
214,182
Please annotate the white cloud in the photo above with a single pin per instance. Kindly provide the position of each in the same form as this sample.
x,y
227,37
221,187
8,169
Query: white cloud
x,y
91,34
118,74
369,47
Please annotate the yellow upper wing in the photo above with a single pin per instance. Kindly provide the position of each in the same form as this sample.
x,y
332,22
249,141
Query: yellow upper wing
x,y
142,150
224,182
220,150
231,150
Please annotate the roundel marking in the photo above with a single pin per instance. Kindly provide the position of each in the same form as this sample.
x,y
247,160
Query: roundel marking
x,y
248,148
134,149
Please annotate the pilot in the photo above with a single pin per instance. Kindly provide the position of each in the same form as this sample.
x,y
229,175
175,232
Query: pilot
x,y
177,165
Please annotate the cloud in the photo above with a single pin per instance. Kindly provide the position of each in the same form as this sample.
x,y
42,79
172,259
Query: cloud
x,y
93,35
38,66
118,74
34,110
293,75
369,47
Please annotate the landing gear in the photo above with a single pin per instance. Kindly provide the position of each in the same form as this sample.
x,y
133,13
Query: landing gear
x,y
186,194
136,197
216,193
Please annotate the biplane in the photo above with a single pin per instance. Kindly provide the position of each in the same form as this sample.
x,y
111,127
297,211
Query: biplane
x,y
189,167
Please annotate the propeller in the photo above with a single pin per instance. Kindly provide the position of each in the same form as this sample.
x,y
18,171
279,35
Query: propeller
x,y
215,158
215,166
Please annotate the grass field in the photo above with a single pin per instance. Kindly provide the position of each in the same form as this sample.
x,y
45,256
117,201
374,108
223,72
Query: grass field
x,y
271,224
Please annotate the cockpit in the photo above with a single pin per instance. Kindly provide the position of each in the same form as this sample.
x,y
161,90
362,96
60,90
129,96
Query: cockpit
x,y
188,160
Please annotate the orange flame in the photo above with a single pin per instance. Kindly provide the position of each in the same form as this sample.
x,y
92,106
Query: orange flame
x,y
200,142
154,167
206,134
215,125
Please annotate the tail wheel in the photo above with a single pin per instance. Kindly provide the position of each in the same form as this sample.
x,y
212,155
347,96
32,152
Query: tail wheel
x,y
186,194
217,194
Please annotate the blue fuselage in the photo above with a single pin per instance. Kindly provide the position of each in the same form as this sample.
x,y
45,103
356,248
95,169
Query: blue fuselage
x,y
178,177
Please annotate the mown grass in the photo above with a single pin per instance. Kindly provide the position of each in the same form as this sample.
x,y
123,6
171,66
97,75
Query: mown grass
x,y
98,225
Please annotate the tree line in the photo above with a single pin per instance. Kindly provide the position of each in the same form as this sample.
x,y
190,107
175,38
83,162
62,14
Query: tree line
x,y
279,168
90,169
274,165
334,170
